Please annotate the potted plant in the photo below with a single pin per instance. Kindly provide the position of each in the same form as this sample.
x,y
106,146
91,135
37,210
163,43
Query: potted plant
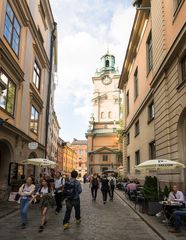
x,y
150,192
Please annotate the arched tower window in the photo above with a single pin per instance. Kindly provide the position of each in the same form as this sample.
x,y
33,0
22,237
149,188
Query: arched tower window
x,y
107,63
102,115
109,115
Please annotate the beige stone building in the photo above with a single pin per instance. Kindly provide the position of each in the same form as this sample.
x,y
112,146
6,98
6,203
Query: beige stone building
x,y
27,37
52,143
153,80
103,146
80,147
67,157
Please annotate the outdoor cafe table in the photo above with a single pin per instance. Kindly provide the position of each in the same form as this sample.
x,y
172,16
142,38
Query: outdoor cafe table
x,y
169,206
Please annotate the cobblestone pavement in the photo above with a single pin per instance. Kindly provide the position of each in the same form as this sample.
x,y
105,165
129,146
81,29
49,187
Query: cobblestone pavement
x,y
113,221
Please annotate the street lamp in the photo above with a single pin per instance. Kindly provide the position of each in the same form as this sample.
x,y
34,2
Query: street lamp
x,y
3,121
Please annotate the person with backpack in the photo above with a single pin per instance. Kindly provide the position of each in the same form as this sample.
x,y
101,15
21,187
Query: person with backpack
x,y
94,183
25,192
104,188
45,196
112,184
58,189
72,190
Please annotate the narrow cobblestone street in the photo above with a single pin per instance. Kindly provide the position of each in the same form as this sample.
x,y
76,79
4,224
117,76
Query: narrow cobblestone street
x,y
115,221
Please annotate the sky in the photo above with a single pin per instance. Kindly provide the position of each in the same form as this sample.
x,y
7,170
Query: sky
x,y
86,29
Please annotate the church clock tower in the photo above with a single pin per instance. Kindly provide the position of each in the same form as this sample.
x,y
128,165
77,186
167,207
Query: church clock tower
x,y
103,147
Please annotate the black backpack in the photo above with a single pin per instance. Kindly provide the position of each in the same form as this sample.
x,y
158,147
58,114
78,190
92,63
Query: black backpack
x,y
95,182
70,191
112,182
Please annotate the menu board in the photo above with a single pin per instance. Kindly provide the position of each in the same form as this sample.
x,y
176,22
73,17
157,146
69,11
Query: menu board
x,y
13,171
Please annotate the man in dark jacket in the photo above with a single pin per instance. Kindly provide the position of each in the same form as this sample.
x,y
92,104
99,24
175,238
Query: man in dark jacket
x,y
73,188
104,188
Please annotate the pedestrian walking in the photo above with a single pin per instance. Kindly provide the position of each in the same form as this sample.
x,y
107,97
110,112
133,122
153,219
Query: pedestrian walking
x,y
45,196
112,185
72,190
104,188
94,184
26,191
85,178
59,184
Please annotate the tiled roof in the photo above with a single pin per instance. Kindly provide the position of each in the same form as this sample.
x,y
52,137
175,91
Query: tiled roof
x,y
79,142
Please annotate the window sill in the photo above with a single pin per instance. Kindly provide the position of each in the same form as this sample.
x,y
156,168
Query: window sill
x,y
12,50
136,135
148,72
150,120
36,134
181,86
6,112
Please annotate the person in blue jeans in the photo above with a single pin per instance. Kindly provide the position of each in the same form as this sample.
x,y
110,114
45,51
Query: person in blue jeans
x,y
177,216
26,191
72,190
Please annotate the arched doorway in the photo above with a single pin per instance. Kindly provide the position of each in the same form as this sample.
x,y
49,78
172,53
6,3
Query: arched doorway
x,y
6,156
182,140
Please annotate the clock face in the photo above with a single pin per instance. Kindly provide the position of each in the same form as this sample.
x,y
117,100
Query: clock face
x,y
107,80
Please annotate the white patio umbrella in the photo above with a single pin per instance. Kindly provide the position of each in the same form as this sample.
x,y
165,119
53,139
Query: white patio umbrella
x,y
159,165
40,162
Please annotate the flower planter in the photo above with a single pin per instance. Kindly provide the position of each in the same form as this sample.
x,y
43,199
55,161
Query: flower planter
x,y
153,208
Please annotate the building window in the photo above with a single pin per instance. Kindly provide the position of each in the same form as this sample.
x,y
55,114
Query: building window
x,y
127,96
149,53
105,158
128,138
128,164
151,112
152,150
137,129
177,4
183,68
37,75
107,63
110,115
34,121
7,93
12,29
136,84
137,157
42,10
40,36
102,115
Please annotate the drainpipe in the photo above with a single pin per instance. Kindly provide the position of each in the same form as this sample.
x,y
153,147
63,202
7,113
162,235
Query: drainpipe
x,y
52,41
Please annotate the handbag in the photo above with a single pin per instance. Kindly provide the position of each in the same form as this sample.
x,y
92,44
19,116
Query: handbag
x,y
17,197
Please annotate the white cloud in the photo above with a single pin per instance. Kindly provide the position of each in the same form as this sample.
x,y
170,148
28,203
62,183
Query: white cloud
x,y
82,40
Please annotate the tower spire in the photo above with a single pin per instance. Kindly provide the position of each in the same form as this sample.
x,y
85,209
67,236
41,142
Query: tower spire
x,y
107,48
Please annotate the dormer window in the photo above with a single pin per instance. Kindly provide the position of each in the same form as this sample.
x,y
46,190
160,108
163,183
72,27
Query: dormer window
x,y
107,63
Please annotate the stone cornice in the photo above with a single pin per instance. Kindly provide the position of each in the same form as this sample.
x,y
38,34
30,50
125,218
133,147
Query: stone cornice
x,y
24,136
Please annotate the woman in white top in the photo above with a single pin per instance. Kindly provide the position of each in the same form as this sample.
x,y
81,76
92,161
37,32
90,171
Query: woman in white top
x,y
25,192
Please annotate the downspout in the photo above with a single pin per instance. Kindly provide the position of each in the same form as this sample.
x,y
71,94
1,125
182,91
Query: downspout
x,y
53,38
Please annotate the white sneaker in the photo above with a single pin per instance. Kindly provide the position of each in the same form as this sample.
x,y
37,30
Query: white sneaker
x,y
165,221
159,214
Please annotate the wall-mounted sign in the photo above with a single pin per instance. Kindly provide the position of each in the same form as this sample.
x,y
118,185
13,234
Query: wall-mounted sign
x,y
33,145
